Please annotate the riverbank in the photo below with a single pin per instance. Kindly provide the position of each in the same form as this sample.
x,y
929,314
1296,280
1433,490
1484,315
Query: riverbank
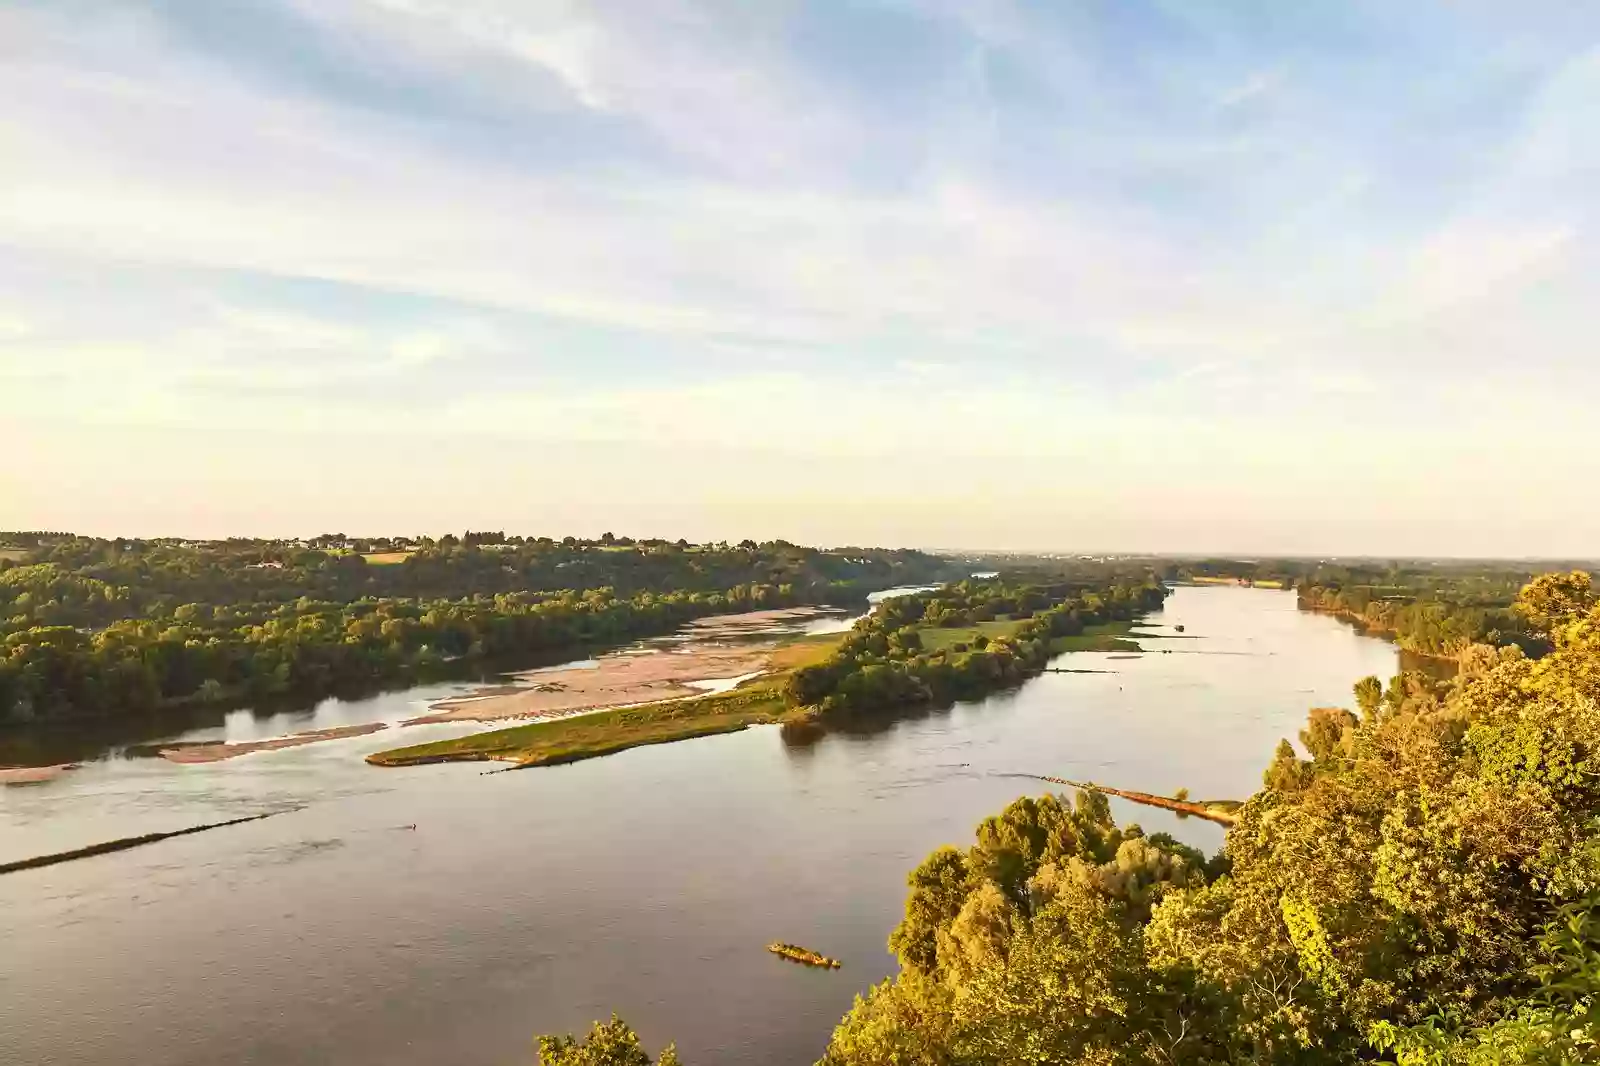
x,y
1367,628
586,736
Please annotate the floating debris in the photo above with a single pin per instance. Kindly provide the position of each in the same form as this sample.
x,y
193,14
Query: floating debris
x,y
805,956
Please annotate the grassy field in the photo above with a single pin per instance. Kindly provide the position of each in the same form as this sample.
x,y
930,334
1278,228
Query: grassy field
x,y
386,558
942,639
16,555
1110,636
588,736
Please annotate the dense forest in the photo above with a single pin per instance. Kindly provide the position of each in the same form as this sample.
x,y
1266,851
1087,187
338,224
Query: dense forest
x,y
96,627
1450,615
1418,882
886,663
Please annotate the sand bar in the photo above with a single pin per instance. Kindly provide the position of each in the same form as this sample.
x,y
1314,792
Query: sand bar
x,y
734,625
33,775
616,680
204,753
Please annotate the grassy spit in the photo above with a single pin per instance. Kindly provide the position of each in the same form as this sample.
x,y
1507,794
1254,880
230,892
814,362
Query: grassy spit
x,y
1109,636
586,736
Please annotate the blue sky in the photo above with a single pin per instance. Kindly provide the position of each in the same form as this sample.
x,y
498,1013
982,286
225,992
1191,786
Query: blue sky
x,y
1172,275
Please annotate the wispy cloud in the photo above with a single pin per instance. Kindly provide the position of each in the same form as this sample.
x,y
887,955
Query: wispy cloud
x,y
675,224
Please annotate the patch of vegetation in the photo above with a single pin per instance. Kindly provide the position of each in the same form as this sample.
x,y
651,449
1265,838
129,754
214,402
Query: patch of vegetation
x,y
1108,636
587,736
939,639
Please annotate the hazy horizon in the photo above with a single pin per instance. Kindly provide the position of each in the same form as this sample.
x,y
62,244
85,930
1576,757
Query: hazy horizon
x,y
1312,279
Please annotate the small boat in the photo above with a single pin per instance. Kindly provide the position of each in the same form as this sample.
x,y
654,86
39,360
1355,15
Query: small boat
x,y
795,953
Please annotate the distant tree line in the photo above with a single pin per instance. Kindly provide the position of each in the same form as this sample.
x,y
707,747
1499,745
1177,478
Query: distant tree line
x,y
1433,618
90,582
105,627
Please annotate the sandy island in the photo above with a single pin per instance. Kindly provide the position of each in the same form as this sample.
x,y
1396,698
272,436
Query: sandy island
x,y
624,678
615,681
204,753
33,775
734,625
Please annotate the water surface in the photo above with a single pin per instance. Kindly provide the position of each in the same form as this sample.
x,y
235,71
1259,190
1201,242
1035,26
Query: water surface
x,y
647,882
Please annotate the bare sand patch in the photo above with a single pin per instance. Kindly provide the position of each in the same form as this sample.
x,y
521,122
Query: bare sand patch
x,y
33,775
732,625
616,680
204,753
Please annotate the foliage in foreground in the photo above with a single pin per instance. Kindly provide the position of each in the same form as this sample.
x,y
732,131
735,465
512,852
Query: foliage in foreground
x,y
1426,885
608,1044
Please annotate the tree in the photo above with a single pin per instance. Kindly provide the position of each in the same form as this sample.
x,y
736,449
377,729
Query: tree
x,y
1369,696
608,1044
1551,602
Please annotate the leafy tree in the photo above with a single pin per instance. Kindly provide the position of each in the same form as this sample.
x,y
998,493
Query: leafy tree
x,y
608,1044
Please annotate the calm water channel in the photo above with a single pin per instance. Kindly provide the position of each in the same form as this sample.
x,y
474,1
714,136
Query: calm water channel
x,y
646,882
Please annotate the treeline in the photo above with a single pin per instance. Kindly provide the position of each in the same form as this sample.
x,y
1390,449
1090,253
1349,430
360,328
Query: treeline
x,y
308,650
90,582
1421,883
883,662
1434,617
105,627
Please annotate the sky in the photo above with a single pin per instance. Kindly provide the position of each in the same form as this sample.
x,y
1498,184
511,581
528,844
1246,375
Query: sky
x,y
1136,275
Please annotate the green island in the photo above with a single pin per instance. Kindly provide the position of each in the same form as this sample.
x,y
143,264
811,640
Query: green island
x,y
959,642
1420,887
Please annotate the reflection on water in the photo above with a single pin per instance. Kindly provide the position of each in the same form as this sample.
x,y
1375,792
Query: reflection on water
x,y
648,882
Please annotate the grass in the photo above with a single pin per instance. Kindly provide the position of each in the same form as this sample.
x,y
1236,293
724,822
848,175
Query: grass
x,y
934,639
386,558
16,555
1108,636
589,736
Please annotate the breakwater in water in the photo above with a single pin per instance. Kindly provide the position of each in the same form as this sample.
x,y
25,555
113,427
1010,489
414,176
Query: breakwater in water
x,y
1219,811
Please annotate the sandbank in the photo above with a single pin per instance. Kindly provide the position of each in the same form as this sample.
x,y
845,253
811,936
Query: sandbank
x,y
33,775
204,753
616,680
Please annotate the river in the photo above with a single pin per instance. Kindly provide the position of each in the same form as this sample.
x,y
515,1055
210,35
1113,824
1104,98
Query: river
x,y
646,882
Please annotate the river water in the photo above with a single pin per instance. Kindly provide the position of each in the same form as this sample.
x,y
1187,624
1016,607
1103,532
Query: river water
x,y
647,882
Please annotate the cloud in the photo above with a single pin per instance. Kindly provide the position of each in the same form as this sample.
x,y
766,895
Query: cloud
x,y
1163,234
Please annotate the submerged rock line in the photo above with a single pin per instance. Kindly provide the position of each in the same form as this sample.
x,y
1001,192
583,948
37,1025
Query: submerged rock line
x,y
123,844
